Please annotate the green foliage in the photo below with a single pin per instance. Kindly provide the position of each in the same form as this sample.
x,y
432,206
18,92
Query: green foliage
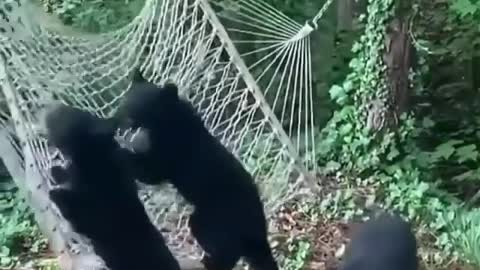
x,y
95,15
18,232
345,139
298,10
466,8
393,162
48,265
448,134
339,203
300,251
466,236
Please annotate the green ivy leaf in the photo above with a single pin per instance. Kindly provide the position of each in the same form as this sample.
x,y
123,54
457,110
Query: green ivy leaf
x,y
427,122
5,261
445,150
337,93
332,166
346,129
347,86
464,7
4,251
467,152
393,154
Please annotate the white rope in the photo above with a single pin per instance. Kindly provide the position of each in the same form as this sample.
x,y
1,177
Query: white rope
x,y
270,26
258,11
321,12
188,47
281,49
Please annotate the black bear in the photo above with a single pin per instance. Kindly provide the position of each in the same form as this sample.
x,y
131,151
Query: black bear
x,y
97,195
385,242
228,220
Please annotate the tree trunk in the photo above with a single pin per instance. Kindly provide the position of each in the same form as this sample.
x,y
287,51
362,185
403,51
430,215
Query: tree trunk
x,y
345,15
397,57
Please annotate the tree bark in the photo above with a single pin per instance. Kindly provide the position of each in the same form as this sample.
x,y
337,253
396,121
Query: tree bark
x,y
345,15
398,59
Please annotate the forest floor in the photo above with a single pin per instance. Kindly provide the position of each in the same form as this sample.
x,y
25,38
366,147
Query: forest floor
x,y
302,236
328,240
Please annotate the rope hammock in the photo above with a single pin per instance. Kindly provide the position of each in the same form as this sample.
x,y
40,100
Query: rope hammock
x,y
264,118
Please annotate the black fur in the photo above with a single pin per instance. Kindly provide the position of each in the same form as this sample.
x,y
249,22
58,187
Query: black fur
x,y
229,220
385,242
98,197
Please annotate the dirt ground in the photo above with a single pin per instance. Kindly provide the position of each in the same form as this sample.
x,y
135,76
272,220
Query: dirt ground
x,y
328,240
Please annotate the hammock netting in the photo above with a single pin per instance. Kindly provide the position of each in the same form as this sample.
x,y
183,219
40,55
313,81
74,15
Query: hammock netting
x,y
264,118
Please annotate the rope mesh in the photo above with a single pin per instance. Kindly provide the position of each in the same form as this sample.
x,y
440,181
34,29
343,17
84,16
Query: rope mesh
x,y
178,40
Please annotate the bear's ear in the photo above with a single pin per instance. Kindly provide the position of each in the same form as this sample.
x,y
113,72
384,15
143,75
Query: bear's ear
x,y
171,90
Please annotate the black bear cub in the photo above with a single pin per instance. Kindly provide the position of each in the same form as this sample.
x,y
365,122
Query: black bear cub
x,y
228,221
385,242
97,196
